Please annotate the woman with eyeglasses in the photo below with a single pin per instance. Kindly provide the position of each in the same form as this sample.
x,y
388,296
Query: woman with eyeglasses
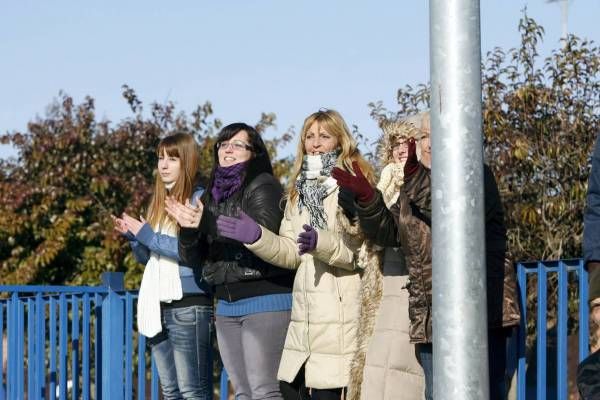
x,y
385,353
254,297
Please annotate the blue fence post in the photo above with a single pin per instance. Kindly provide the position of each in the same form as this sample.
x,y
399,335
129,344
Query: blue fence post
x,y
522,362
562,331
541,329
584,312
224,385
112,337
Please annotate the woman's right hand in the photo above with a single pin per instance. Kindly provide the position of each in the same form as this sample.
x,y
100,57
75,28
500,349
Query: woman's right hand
x,y
120,224
357,184
186,215
412,163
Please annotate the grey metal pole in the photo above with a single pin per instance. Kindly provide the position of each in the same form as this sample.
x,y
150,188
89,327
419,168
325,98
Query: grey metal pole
x,y
564,18
459,277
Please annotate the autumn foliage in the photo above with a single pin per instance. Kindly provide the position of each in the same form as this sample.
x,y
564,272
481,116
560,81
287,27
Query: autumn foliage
x,y
72,171
541,118
540,121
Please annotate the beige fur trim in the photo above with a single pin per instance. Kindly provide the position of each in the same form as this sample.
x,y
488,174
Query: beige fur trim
x,y
393,131
370,260
371,291
350,231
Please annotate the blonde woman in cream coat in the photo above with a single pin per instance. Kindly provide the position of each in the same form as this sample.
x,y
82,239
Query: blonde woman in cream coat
x,y
320,240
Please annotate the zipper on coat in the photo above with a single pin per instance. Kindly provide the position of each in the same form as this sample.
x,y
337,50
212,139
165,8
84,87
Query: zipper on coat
x,y
337,284
228,293
340,314
307,306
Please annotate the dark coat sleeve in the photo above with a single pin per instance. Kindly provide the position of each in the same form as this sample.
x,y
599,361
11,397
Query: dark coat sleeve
x,y
191,247
262,202
591,217
591,226
495,229
378,223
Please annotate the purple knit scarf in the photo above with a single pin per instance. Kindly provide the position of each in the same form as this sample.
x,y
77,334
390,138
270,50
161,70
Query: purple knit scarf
x,y
228,180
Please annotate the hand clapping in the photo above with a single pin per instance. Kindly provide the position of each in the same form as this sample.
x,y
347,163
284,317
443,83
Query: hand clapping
x,y
127,224
186,215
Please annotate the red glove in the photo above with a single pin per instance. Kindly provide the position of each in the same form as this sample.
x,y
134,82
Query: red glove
x,y
412,163
357,184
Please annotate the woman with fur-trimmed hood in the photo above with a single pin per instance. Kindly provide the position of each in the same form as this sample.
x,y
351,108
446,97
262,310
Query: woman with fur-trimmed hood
x,y
408,224
385,365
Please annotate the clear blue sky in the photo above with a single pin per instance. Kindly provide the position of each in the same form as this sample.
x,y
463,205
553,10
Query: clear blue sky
x,y
246,57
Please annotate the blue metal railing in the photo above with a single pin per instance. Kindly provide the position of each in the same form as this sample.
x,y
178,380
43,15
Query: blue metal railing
x,y
570,276
79,342
72,342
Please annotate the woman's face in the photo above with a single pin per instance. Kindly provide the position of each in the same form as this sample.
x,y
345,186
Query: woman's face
x,y
318,140
400,151
169,167
235,150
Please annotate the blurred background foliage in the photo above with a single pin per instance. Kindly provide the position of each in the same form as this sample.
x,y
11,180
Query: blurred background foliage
x,y
72,171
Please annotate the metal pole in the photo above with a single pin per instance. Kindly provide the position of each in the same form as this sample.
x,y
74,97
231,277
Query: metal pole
x,y
564,7
564,18
459,276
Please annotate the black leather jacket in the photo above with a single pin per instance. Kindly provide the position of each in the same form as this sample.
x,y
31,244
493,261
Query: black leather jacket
x,y
228,264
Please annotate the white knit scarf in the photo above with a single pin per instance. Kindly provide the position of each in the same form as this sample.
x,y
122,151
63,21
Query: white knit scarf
x,y
161,282
314,184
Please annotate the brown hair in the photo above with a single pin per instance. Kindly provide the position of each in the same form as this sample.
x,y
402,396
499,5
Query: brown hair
x,y
183,146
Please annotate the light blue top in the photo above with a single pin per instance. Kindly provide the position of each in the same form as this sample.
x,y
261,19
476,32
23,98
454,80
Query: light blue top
x,y
147,241
254,305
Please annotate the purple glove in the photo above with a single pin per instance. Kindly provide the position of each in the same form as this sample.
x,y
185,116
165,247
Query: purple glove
x,y
243,229
307,240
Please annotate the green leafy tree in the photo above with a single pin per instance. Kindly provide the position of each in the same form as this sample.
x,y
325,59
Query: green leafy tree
x,y
72,172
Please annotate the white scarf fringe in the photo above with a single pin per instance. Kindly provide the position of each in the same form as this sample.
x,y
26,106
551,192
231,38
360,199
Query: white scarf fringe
x,y
160,283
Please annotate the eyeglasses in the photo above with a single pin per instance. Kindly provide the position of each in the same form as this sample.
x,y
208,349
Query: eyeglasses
x,y
236,145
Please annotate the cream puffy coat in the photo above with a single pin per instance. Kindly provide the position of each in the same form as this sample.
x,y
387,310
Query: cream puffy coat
x,y
325,310
385,366
391,370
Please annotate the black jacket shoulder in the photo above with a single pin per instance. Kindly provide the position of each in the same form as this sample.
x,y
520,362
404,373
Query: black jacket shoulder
x,y
262,201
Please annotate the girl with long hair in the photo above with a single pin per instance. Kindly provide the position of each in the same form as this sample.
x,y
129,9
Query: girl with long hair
x,y
174,304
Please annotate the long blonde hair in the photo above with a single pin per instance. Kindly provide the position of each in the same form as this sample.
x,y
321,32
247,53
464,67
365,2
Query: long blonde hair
x,y
184,146
332,122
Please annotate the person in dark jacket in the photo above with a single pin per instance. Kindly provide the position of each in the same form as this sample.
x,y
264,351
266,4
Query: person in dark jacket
x,y
254,297
175,307
588,376
591,234
408,224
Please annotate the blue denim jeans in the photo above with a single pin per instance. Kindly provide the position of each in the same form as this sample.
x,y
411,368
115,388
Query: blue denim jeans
x,y
425,357
182,353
